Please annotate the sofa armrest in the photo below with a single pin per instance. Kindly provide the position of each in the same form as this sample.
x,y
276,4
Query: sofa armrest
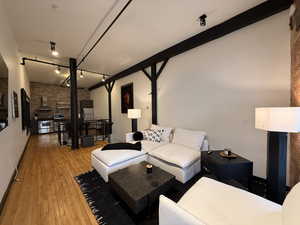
x,y
129,137
171,214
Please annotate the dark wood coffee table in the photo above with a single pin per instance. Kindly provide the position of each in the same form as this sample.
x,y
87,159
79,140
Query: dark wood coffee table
x,y
138,189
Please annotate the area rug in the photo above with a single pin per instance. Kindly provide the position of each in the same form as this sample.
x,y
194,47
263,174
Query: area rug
x,y
110,210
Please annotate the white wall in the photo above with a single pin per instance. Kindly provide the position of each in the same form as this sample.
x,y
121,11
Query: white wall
x,y
216,88
12,138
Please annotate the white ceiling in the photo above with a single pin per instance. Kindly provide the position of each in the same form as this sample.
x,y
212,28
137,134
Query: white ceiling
x,y
145,28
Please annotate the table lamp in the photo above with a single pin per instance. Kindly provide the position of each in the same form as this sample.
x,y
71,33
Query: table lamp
x,y
134,114
278,121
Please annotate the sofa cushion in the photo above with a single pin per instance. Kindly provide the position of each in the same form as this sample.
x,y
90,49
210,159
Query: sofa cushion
x,y
216,203
165,132
179,155
291,206
113,157
149,146
189,138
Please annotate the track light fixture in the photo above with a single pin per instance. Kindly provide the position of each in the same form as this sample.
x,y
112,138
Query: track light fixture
x,y
81,74
202,20
103,78
53,48
57,70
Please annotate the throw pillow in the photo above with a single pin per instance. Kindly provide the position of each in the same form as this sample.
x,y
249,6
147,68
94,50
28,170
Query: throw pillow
x,y
138,136
152,135
123,146
166,132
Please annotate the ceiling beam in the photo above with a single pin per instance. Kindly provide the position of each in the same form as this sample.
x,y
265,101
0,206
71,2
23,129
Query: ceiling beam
x,y
251,16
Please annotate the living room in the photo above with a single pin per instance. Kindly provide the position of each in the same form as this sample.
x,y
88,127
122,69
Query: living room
x,y
208,70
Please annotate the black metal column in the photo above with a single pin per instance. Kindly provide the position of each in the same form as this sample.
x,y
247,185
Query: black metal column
x,y
74,103
276,166
109,107
154,93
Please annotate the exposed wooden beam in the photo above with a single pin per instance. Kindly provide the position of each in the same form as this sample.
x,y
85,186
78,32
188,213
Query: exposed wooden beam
x,y
147,74
251,16
161,68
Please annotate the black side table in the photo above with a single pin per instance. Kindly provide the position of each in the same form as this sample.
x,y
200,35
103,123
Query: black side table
x,y
228,170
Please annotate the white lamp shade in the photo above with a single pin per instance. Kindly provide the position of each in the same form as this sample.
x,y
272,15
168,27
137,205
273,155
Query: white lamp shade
x,y
280,119
134,113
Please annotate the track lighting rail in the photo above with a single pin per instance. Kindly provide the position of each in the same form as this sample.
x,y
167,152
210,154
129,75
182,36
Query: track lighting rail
x,y
24,59
104,33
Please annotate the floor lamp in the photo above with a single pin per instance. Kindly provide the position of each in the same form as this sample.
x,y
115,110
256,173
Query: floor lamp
x,y
278,122
134,114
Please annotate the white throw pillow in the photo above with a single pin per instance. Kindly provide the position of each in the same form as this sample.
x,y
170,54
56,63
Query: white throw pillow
x,y
291,207
165,132
189,138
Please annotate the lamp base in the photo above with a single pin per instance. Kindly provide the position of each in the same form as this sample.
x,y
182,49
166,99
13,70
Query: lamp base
x,y
134,125
276,166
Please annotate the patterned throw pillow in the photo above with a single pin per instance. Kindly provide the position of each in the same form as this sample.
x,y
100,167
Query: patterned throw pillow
x,y
152,135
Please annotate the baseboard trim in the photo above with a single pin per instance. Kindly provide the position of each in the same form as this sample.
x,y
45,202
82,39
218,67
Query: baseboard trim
x,y
2,202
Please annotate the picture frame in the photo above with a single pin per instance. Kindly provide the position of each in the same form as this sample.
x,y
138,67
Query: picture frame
x,y
1,99
15,105
127,97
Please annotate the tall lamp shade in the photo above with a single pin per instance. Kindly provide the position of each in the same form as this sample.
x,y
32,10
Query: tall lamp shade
x,y
134,114
278,121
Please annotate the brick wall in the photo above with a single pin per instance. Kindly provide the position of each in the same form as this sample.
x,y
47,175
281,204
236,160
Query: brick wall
x,y
55,94
295,101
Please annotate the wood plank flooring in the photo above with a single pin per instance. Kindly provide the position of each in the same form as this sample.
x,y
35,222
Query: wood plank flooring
x,y
47,193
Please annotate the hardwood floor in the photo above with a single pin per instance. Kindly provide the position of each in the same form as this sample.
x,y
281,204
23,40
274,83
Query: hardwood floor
x,y
47,193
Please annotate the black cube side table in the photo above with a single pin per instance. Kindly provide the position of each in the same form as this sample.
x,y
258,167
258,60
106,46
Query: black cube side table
x,y
238,169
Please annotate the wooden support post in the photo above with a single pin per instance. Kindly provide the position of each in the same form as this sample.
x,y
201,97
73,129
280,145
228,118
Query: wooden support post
x,y
74,103
153,77
109,86
154,93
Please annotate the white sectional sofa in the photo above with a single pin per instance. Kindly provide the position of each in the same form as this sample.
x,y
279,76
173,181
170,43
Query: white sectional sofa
x,y
178,153
210,202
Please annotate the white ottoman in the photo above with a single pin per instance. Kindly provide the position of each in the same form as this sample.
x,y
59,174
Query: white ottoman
x,y
109,161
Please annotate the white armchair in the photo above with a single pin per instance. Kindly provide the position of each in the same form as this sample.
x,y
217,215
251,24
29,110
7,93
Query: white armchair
x,y
210,202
